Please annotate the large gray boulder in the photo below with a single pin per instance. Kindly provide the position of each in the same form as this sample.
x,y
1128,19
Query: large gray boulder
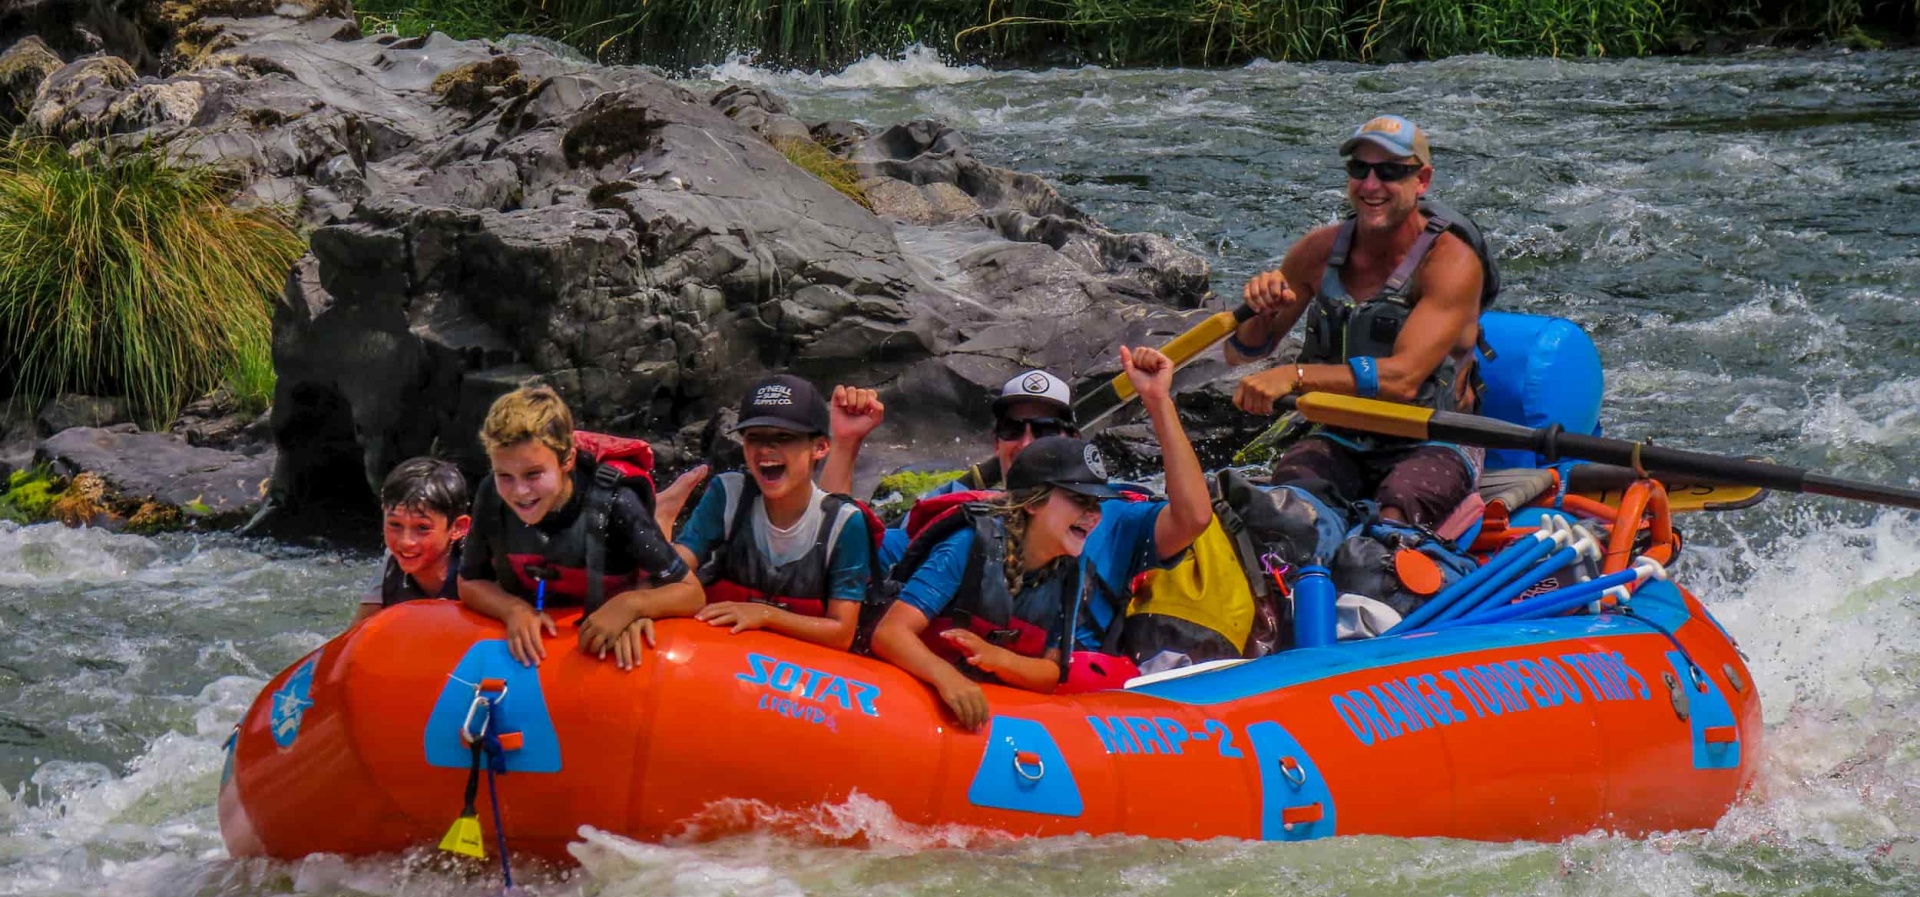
x,y
218,487
485,213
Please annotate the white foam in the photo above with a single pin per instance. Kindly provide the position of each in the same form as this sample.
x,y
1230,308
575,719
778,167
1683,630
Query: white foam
x,y
917,66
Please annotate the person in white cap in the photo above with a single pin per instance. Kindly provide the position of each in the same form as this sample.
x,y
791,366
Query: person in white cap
x,y
1392,299
1031,405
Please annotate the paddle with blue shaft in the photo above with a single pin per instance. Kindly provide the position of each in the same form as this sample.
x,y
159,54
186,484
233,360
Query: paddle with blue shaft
x,y
1410,422
1100,403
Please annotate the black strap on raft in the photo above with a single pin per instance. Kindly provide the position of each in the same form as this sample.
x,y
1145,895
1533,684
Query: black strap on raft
x,y
599,504
467,807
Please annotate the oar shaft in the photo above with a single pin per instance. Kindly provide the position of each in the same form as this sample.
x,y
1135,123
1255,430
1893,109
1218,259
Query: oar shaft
x,y
1406,421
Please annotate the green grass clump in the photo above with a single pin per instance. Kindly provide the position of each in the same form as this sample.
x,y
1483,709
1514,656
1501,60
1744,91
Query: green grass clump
x,y
123,275
1431,29
898,491
29,495
829,34
818,161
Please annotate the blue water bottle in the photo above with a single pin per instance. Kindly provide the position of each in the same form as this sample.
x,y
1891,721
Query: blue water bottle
x,y
1314,612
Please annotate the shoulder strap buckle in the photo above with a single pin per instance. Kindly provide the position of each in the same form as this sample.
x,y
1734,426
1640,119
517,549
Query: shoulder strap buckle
x,y
606,476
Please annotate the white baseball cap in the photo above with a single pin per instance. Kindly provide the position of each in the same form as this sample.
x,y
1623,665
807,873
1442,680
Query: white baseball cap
x,y
1036,386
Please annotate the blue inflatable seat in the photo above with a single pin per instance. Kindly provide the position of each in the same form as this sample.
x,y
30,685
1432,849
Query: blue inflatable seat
x,y
1545,371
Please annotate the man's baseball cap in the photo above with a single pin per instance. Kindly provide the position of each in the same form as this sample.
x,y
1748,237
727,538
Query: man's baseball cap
x,y
784,402
1393,134
1036,386
1062,462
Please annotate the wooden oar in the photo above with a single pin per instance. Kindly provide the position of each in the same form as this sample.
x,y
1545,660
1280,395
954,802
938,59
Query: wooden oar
x,y
1409,422
1099,403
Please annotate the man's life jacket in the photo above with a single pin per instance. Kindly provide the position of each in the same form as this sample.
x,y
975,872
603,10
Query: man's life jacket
x,y
1340,329
396,587
740,571
985,606
573,562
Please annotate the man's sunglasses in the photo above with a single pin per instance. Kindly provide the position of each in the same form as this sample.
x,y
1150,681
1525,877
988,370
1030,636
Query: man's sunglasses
x,y
1387,172
1008,429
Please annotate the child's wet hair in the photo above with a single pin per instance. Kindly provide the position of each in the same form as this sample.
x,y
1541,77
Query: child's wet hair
x,y
425,484
530,412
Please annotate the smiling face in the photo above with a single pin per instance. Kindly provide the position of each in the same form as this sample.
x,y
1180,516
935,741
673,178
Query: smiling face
x,y
531,479
1060,525
781,461
1384,205
1009,424
420,540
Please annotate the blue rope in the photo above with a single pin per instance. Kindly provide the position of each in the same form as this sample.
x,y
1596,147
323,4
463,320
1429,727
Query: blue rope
x,y
496,760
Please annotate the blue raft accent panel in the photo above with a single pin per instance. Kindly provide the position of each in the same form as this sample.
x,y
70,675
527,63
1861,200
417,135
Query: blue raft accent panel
x,y
523,710
1295,802
1707,710
1024,770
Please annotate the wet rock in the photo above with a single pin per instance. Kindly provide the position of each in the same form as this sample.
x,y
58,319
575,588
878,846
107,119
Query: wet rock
x,y
74,410
22,68
219,421
482,214
77,100
220,488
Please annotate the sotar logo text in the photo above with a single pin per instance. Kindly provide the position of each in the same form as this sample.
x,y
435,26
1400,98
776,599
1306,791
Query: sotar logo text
x,y
818,686
773,395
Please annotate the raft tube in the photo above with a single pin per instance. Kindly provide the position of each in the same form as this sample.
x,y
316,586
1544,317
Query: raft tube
x,y
1526,730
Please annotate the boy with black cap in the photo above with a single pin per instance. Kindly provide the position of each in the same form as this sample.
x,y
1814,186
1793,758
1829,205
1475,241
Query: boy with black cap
x,y
774,551
1015,591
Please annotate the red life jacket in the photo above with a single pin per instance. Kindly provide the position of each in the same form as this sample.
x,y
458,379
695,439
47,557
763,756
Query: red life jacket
x,y
978,607
572,563
983,605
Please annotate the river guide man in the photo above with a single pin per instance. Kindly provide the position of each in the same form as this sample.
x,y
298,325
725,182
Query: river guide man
x,y
1392,298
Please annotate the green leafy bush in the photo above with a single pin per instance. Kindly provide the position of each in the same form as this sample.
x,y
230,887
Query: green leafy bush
x,y
121,274
29,495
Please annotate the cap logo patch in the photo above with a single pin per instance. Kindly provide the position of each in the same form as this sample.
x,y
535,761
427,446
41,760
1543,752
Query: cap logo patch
x,y
773,395
1094,462
1036,383
1382,125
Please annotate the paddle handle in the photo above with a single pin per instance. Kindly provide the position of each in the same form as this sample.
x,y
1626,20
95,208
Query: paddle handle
x,y
1187,346
1117,392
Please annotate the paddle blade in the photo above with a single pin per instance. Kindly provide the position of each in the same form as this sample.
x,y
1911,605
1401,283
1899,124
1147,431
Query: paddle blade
x,y
464,838
1692,497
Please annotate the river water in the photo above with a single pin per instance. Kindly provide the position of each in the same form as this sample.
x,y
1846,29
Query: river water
x,y
1742,235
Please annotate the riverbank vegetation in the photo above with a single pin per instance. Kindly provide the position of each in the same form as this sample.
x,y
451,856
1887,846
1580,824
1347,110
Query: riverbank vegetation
x,y
123,274
828,34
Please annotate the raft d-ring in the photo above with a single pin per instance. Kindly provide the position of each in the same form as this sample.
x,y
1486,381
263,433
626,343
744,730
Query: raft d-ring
x,y
1698,676
1023,759
1294,772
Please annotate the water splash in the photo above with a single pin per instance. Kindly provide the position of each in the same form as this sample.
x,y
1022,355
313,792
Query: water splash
x,y
917,66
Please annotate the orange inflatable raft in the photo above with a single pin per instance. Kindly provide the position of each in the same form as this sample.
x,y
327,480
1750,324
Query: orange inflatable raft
x,y
1529,729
